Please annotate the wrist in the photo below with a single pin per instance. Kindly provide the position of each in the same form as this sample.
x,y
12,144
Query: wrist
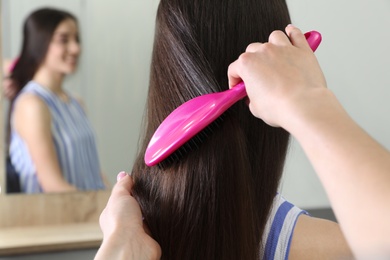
x,y
131,245
317,108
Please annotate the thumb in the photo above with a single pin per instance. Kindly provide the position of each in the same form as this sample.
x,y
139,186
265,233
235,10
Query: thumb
x,y
123,186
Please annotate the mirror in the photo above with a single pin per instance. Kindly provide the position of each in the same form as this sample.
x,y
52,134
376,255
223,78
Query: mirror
x,y
112,75
14,16
112,79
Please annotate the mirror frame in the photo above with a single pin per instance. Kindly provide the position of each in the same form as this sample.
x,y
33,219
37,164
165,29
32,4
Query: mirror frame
x,y
46,222
2,145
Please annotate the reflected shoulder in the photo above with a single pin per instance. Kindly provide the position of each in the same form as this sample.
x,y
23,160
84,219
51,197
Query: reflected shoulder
x,y
30,110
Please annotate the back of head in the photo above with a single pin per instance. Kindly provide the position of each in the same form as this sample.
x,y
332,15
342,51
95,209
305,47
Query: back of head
x,y
38,31
214,202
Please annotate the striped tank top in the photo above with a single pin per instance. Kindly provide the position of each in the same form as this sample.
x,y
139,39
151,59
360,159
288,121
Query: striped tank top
x,y
279,229
74,142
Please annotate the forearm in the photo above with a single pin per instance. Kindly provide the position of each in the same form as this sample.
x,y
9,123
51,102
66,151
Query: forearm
x,y
60,188
354,169
286,88
114,250
56,184
126,247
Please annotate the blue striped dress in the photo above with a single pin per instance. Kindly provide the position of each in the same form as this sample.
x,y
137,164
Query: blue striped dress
x,y
74,141
279,229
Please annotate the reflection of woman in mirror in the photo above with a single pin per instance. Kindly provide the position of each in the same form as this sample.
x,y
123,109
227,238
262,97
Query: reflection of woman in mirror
x,y
52,145
220,201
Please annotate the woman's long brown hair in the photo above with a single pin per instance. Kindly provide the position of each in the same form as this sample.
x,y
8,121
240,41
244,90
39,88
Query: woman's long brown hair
x,y
214,202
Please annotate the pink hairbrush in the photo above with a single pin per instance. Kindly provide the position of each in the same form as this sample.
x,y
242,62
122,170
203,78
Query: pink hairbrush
x,y
194,117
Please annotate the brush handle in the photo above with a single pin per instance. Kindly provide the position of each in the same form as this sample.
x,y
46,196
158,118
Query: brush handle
x,y
231,96
314,39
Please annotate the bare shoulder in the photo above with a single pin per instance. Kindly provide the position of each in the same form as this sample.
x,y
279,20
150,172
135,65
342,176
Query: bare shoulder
x,y
316,238
29,104
30,110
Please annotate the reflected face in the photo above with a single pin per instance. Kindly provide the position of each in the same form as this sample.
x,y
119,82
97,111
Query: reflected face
x,y
64,48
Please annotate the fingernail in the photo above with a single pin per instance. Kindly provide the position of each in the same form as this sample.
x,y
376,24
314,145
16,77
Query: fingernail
x,y
290,25
121,175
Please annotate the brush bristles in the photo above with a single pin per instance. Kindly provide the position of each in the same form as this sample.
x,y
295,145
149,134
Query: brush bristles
x,y
194,143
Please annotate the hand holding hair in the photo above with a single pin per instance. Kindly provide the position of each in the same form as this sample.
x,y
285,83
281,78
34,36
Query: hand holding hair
x,y
9,88
286,88
123,230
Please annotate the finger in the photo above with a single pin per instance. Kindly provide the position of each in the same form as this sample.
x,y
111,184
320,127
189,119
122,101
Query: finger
x,y
253,47
296,36
123,186
233,74
120,176
279,38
